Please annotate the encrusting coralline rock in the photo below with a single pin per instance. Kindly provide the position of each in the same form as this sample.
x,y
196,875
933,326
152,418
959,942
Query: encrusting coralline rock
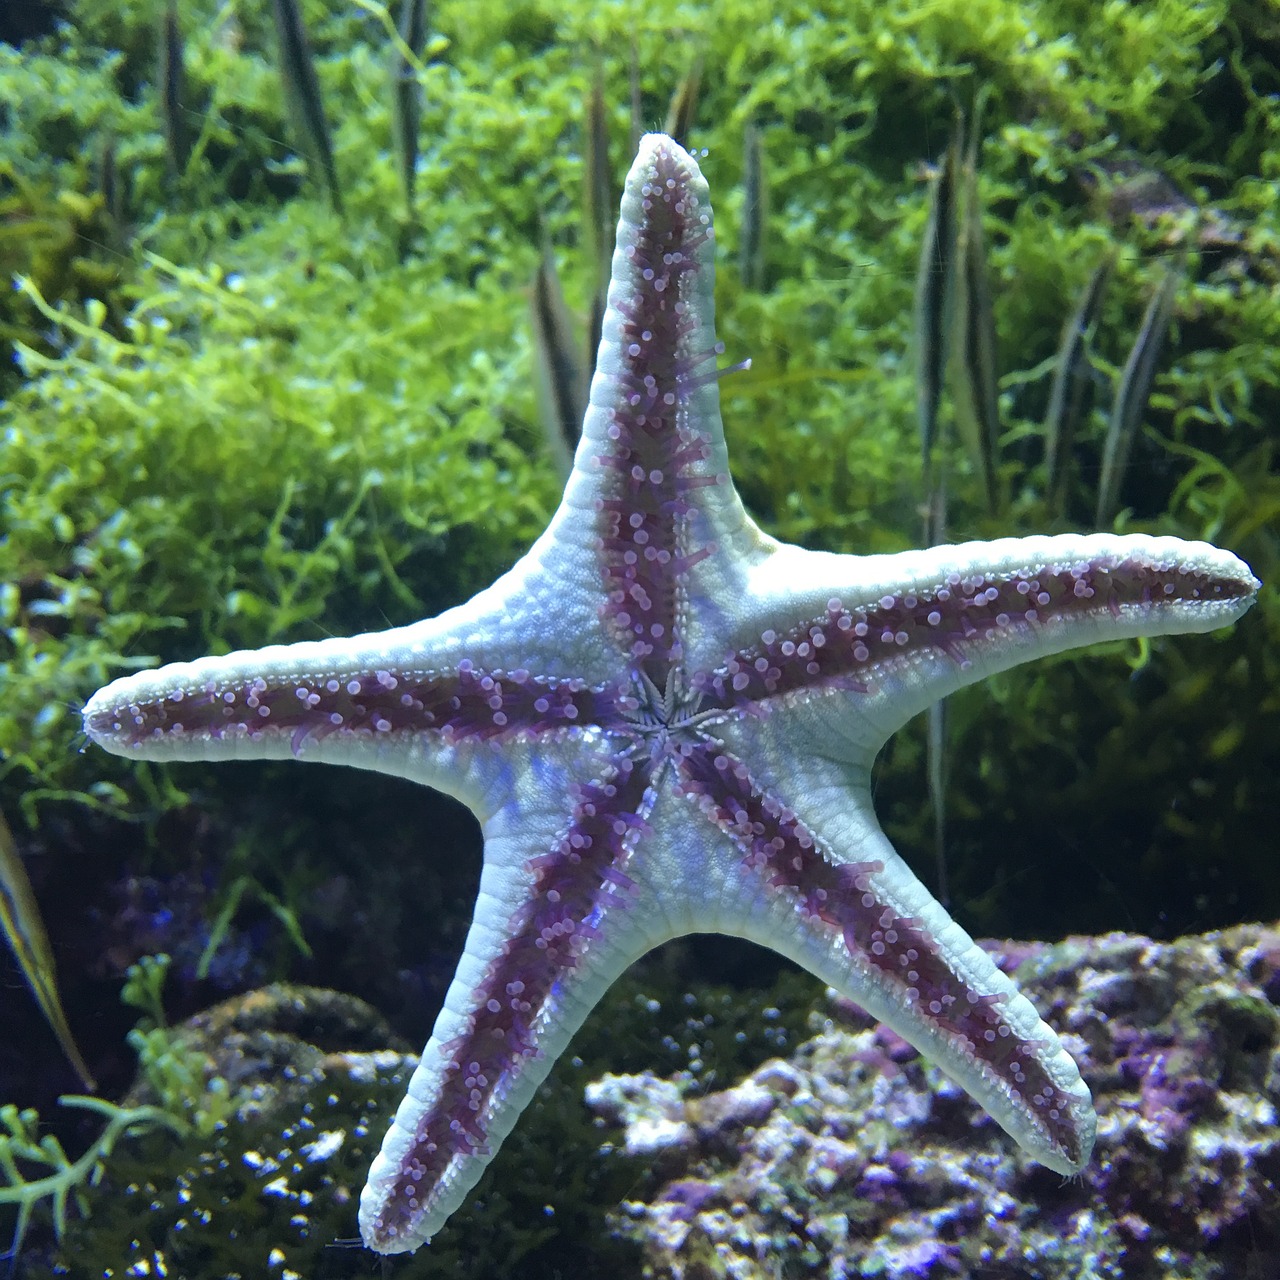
x,y
856,1158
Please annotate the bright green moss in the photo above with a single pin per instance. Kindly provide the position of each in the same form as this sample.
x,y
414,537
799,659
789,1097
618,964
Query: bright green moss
x,y
280,425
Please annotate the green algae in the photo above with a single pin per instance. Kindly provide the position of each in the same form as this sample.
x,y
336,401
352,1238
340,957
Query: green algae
x,y
170,1071
270,425
23,1150
236,419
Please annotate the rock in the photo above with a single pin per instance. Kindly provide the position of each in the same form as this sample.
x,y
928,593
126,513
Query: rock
x,y
856,1158
651,1111
312,1076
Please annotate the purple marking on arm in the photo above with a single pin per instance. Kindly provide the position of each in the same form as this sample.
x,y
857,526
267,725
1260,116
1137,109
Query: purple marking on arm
x,y
642,517
470,703
900,949
573,887
841,648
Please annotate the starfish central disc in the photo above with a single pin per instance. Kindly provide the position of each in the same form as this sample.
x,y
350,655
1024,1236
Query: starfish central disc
x,y
662,719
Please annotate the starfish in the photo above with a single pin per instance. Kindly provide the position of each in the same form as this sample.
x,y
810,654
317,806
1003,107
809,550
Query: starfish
x,y
665,721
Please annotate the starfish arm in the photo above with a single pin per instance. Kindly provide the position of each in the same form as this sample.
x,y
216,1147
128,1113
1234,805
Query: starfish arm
x,y
556,922
829,891
650,486
416,701
896,633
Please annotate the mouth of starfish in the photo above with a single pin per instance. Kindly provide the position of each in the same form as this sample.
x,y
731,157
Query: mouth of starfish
x,y
661,719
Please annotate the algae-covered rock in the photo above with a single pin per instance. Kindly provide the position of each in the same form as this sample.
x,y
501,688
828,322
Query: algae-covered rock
x,y
301,1082
853,1157
314,1077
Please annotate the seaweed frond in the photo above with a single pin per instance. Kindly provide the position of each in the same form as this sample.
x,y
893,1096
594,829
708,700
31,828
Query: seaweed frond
x,y
21,1148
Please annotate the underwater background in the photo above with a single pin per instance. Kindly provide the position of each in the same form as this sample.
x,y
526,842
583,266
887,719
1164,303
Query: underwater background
x,y
258,387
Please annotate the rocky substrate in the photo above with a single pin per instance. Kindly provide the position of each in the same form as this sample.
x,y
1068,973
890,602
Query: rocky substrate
x,y
854,1157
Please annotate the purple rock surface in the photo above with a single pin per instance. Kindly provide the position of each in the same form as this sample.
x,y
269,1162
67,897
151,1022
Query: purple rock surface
x,y
855,1157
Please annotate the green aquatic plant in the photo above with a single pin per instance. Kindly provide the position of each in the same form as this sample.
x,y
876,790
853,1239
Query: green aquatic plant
x,y
144,987
170,1068
22,1149
181,1079
191,1100
243,887
77,568
290,414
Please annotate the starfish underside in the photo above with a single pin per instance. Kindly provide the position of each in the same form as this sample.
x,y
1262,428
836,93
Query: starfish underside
x,y
665,721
